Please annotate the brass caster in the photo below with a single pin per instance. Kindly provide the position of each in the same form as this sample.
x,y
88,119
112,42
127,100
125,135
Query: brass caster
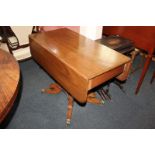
x,y
42,90
68,121
102,101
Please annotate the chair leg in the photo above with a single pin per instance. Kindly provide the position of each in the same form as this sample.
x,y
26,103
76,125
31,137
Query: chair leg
x,y
133,56
146,66
153,77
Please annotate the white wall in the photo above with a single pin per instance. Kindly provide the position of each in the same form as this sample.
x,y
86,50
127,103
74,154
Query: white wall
x,y
22,33
91,32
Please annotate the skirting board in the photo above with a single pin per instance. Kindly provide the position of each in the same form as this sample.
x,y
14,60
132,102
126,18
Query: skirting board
x,y
22,53
19,54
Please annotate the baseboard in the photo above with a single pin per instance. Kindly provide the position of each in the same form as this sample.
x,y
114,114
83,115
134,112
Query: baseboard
x,y
20,54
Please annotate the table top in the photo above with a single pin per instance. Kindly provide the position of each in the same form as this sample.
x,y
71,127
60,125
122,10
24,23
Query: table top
x,y
9,79
87,57
77,63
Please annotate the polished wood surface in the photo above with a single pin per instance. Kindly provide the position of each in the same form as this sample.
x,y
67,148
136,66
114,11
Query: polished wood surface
x,y
78,64
9,79
143,37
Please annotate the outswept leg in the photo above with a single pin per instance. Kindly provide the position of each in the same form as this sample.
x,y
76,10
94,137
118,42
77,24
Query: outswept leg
x,y
54,88
69,110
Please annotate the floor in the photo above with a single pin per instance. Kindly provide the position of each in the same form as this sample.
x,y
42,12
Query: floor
x,y
41,111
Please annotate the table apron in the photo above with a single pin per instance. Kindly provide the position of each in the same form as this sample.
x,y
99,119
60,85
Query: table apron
x,y
105,77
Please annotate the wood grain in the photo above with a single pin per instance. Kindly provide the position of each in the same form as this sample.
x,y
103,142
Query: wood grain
x,y
9,79
74,61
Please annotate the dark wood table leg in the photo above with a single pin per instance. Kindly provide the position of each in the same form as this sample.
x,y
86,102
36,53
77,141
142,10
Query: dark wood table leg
x,y
69,110
146,66
153,77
